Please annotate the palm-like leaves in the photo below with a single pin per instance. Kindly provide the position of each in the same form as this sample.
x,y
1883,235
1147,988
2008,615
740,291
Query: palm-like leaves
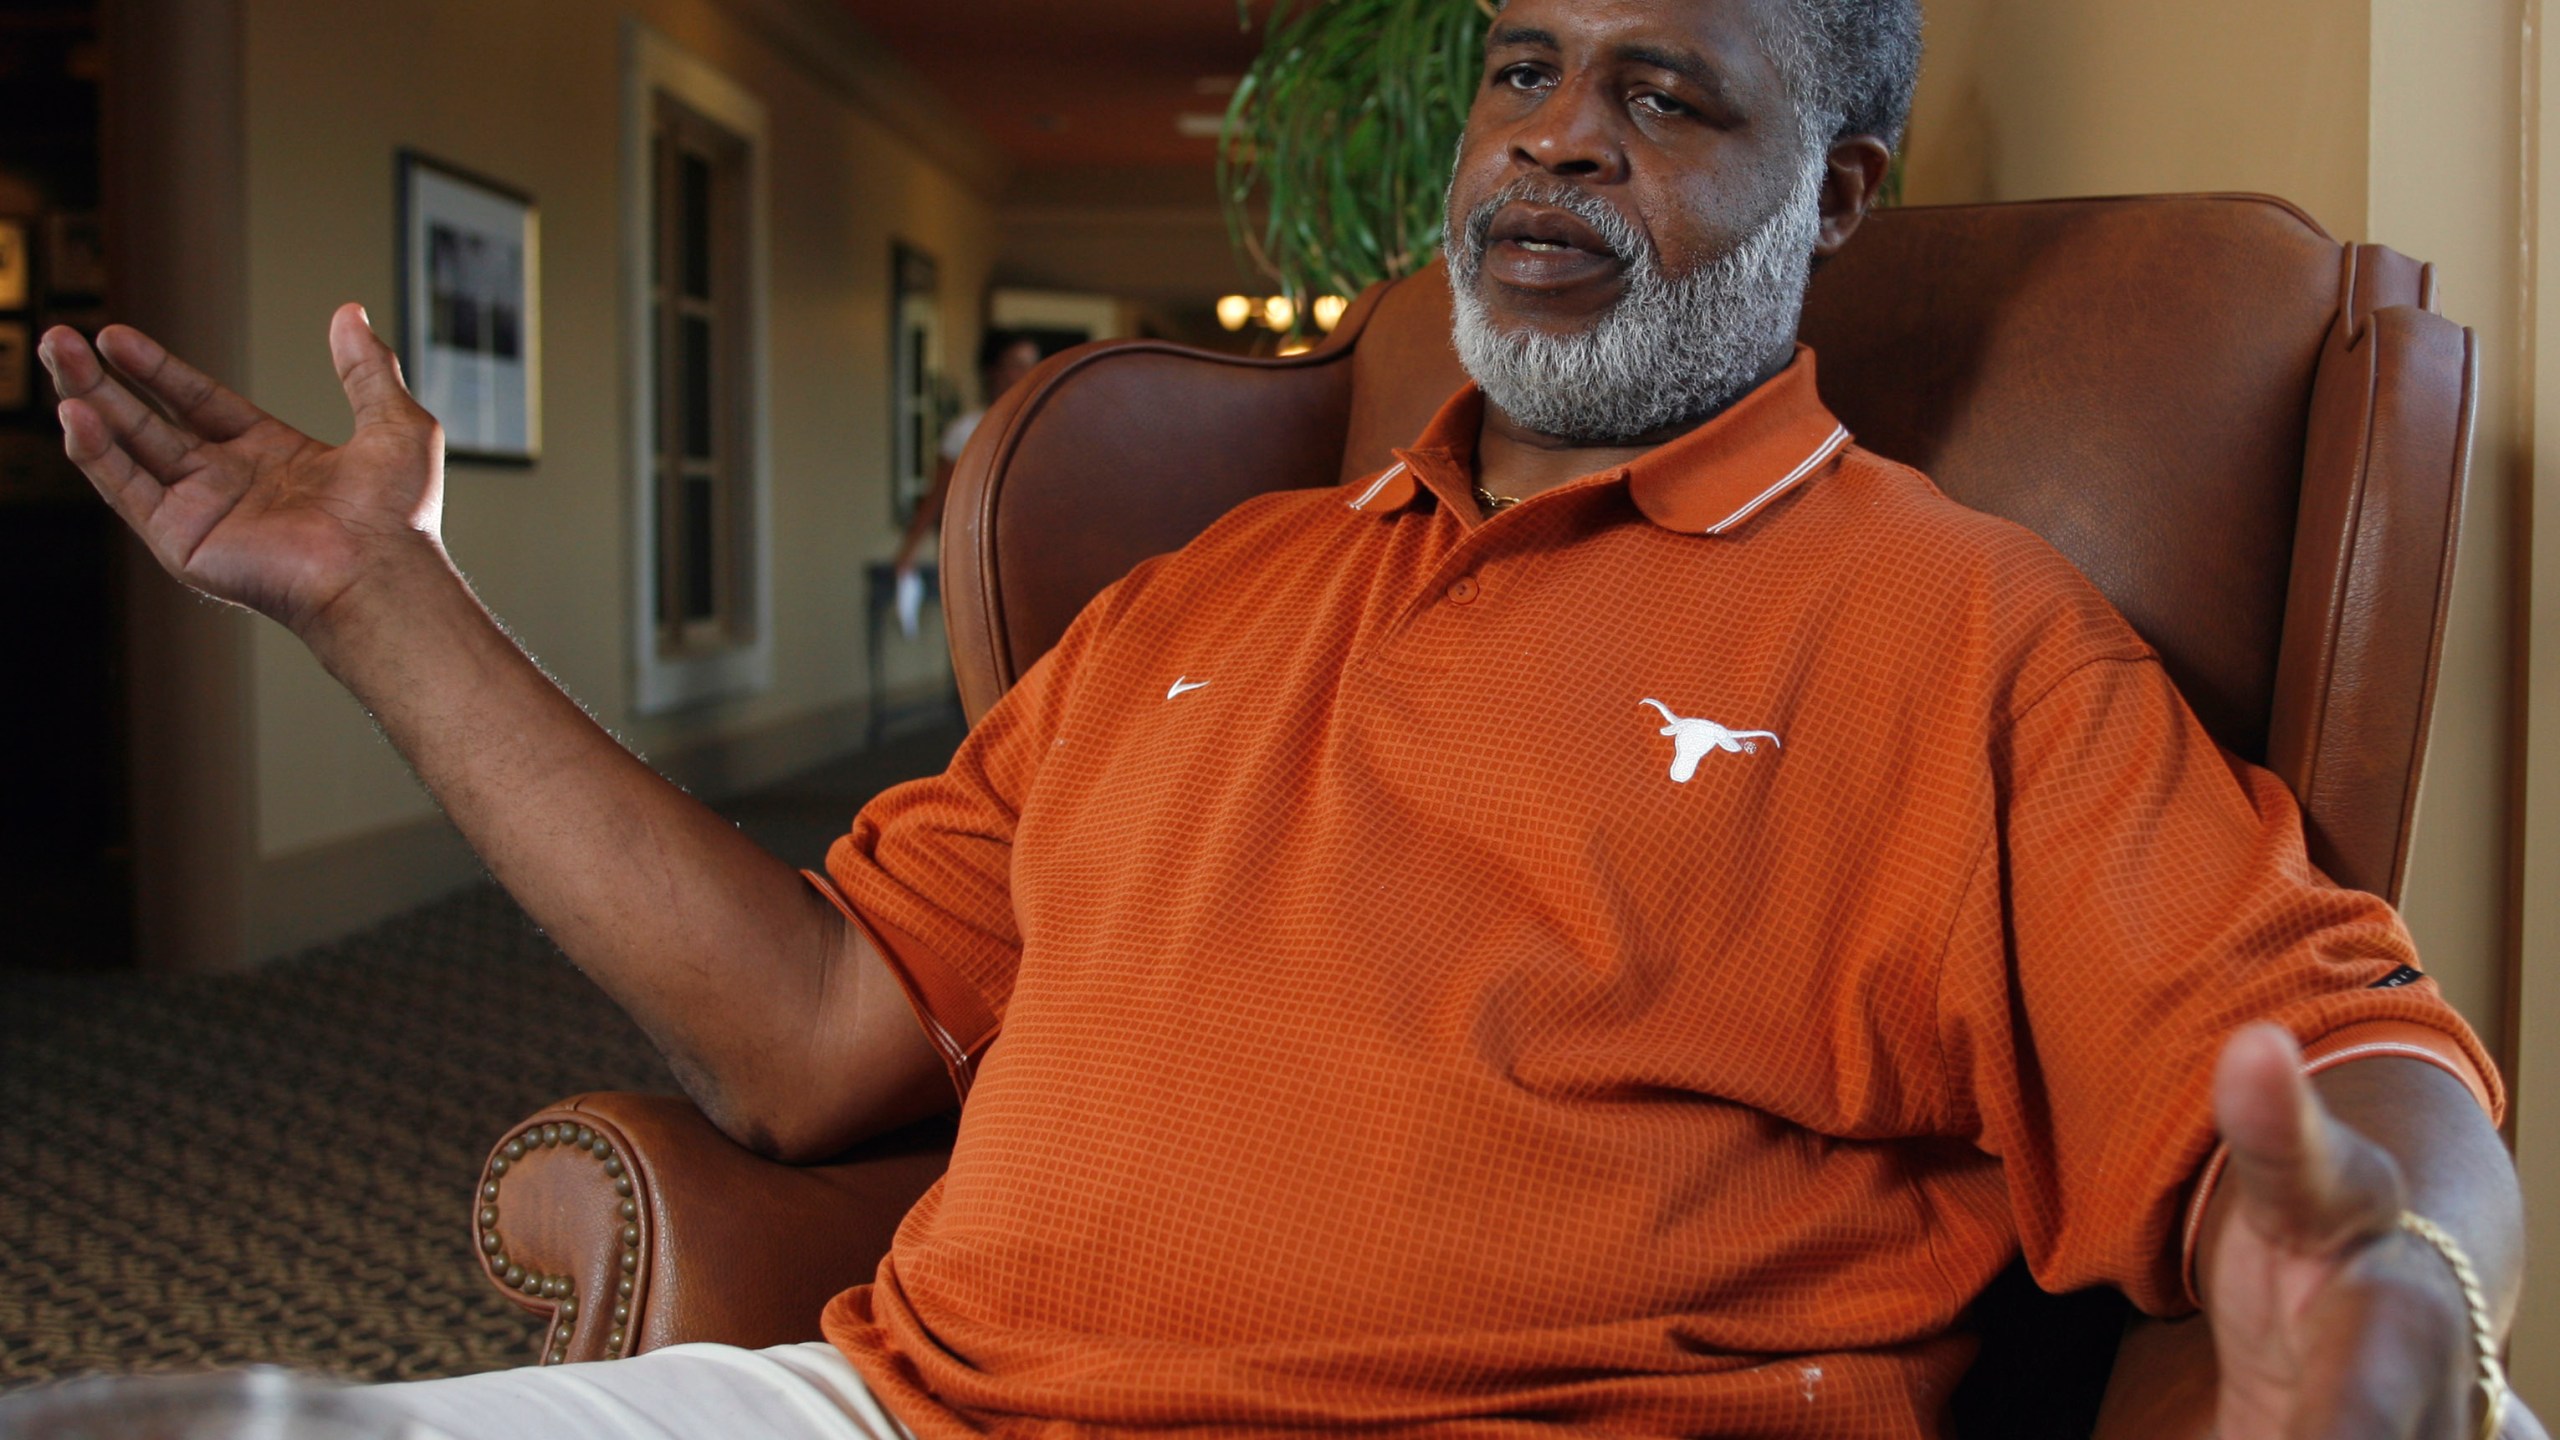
x,y
1335,161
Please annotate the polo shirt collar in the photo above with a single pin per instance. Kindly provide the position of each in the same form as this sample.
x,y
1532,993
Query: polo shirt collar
x,y
1707,482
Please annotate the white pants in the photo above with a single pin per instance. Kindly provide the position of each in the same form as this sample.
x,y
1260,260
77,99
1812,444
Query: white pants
x,y
684,1392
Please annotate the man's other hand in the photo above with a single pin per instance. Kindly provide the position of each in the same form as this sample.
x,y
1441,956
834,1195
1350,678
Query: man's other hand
x,y
237,503
2330,1322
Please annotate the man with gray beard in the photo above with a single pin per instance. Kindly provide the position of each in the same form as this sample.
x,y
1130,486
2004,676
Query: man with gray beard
x,y
1631,918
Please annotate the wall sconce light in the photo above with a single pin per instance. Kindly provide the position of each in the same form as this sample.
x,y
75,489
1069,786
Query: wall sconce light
x,y
1279,313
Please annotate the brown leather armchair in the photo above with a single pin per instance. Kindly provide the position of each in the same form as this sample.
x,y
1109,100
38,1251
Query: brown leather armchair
x,y
2252,438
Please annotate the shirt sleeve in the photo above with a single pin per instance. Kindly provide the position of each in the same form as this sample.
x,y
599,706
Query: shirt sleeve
x,y
926,873
2144,895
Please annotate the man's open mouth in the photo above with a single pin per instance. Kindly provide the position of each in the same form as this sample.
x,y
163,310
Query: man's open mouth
x,y
1545,230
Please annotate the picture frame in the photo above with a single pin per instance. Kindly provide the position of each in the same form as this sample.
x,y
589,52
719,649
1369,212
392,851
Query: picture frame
x,y
17,264
471,309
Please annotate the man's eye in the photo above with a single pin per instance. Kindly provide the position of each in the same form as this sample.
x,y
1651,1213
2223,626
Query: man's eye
x,y
1654,102
1519,77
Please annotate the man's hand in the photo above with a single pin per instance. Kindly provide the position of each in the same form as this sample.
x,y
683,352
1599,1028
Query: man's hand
x,y
2329,1321
239,504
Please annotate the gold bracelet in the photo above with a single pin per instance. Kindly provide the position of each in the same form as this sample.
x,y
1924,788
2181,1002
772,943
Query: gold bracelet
x,y
2484,1339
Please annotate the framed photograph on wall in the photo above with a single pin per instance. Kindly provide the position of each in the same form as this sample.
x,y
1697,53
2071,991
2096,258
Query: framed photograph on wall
x,y
17,266
471,309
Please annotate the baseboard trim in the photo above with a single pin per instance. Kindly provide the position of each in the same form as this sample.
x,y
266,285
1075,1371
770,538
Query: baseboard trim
x,y
329,891
715,770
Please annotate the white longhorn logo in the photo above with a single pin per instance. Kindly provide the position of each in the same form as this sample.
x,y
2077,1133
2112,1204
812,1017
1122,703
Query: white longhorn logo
x,y
1696,737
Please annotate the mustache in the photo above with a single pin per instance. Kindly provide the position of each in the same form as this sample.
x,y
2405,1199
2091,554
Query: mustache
x,y
1625,241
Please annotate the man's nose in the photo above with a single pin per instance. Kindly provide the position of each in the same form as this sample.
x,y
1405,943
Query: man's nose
x,y
1572,133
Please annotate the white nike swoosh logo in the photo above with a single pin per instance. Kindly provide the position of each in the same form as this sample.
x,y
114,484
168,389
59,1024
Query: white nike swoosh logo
x,y
1182,687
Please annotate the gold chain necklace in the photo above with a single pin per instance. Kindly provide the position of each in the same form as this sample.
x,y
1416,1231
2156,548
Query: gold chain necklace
x,y
1494,504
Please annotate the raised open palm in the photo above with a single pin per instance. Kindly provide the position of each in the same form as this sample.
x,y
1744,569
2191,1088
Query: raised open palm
x,y
232,500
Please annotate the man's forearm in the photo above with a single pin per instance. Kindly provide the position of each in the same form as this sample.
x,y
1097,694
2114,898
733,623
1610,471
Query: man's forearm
x,y
2455,1169
749,981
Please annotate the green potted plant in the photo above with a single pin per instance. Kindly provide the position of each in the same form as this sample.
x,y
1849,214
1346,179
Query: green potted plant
x,y
1335,161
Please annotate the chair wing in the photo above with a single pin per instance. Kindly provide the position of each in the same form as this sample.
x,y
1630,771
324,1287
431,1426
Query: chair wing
x,y
1108,454
2250,437
2372,576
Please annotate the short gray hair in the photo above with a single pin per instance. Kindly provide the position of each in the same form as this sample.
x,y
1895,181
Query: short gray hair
x,y
1851,65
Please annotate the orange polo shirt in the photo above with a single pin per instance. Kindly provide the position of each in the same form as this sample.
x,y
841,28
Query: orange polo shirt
x,y
1638,964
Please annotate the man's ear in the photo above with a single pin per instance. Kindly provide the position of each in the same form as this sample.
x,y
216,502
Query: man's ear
x,y
1853,175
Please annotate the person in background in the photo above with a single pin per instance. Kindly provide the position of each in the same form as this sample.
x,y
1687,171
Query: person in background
x,y
1004,358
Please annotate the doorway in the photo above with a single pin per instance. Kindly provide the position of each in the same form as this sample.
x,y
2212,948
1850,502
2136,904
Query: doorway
x,y
65,842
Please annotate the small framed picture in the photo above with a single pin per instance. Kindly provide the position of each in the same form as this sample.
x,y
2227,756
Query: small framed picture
x,y
471,310
17,366
17,266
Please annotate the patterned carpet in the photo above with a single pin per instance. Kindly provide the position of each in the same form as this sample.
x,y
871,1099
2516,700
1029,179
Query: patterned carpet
x,y
274,1167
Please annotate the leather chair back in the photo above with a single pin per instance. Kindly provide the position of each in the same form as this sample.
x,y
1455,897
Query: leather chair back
x,y
2251,437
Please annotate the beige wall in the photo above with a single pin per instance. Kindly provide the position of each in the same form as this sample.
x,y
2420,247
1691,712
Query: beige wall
x,y
2451,114
531,95
2397,121
2445,150
2025,99
2535,1074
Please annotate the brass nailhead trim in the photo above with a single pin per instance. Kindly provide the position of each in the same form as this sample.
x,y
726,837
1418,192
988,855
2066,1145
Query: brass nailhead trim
x,y
562,1288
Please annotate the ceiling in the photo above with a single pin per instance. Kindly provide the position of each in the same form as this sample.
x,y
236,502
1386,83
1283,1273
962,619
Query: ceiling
x,y
1074,84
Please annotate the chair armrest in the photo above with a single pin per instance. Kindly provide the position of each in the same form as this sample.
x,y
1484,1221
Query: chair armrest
x,y
629,1223
2163,1384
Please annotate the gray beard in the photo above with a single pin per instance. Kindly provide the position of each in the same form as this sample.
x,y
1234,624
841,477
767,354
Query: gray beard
x,y
1671,351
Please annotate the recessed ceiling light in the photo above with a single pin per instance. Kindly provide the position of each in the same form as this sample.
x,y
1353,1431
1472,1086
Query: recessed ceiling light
x,y
1217,84
1196,126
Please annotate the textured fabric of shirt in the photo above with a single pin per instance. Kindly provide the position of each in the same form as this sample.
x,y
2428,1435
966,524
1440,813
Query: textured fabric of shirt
x,y
1638,964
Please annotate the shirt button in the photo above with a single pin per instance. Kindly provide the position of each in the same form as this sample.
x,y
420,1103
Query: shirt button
x,y
1464,591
